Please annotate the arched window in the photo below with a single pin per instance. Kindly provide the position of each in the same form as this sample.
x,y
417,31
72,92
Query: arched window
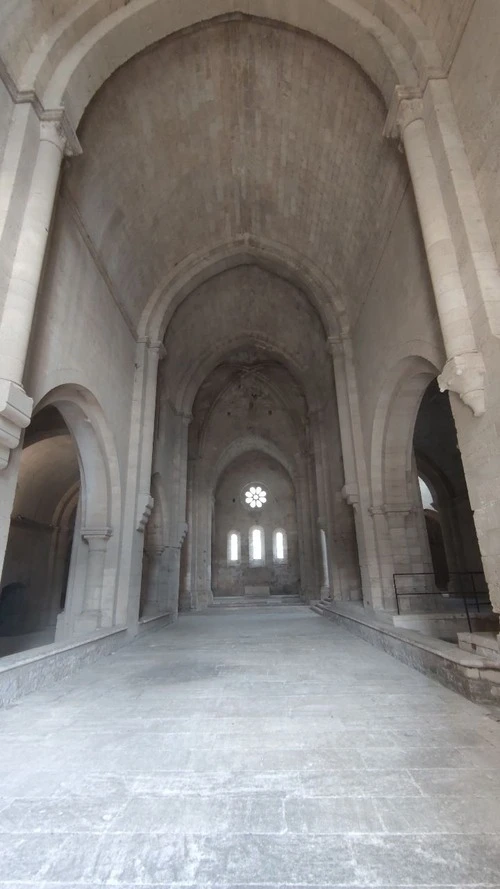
x,y
233,547
428,499
280,546
257,546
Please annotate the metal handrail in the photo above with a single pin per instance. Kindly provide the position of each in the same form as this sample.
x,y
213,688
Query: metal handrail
x,y
474,593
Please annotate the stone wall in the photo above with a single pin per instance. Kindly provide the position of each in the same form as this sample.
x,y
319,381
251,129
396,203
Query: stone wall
x,y
231,514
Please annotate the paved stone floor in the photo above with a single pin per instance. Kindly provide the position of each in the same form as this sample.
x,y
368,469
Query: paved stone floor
x,y
258,748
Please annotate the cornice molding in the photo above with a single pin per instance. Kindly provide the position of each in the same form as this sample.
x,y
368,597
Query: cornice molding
x,y
45,115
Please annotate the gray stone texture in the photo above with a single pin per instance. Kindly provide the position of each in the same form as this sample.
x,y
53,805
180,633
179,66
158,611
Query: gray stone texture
x,y
254,747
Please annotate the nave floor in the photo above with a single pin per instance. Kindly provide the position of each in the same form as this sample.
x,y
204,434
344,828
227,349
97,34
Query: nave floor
x,y
255,748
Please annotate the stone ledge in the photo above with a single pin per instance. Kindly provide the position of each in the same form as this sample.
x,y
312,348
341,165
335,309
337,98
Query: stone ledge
x,y
32,670
477,678
154,622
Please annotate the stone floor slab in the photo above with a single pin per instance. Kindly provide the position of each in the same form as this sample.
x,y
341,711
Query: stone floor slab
x,y
249,750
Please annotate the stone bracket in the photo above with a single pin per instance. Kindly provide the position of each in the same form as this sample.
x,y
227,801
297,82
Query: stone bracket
x,y
350,493
15,415
465,374
145,508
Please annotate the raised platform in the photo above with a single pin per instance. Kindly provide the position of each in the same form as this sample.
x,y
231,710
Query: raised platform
x,y
445,625
483,644
28,671
254,601
477,678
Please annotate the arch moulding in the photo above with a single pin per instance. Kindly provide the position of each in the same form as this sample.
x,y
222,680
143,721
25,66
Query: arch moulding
x,y
72,60
245,250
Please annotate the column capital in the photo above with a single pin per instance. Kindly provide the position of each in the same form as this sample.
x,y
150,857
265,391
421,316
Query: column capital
x,y
335,346
154,346
406,107
157,347
465,375
97,538
187,418
339,346
15,414
56,128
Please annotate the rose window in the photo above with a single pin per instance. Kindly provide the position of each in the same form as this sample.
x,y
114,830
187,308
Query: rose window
x,y
256,497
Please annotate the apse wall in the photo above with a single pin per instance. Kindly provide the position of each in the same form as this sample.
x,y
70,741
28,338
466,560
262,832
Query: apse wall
x,y
232,515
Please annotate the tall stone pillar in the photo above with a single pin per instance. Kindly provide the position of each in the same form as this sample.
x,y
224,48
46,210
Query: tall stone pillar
x,y
154,600
91,616
356,490
322,522
23,273
138,500
22,290
464,372
466,292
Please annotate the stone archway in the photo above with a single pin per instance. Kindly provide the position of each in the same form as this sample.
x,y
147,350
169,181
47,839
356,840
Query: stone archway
x,y
414,433
40,544
90,602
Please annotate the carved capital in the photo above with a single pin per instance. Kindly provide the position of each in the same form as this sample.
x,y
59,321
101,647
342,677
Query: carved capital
x,y
144,509
56,128
406,107
465,374
97,538
15,415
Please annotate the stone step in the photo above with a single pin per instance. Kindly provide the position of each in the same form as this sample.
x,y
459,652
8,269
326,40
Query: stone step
x,y
483,644
254,602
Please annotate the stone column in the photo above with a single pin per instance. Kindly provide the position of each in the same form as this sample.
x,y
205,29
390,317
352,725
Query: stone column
x,y
20,299
172,571
91,617
356,489
305,524
154,603
138,500
464,372
322,521
186,602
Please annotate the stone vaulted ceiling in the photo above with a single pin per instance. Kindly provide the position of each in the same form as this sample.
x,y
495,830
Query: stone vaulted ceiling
x,y
26,24
236,127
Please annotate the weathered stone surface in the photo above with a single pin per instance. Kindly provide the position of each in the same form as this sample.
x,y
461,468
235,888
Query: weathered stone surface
x,y
216,750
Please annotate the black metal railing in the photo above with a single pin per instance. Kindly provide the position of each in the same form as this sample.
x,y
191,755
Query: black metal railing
x,y
468,586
